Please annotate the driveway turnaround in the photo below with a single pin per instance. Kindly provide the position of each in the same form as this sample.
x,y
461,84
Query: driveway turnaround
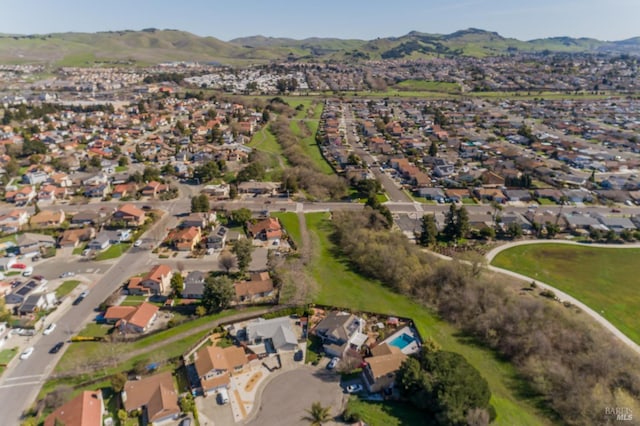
x,y
285,399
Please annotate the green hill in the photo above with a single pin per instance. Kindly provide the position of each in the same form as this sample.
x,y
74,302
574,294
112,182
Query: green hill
x,y
152,46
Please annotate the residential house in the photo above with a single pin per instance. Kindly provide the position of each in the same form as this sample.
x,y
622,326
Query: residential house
x,y
37,302
124,190
270,335
89,217
153,189
50,193
456,195
47,219
217,239
436,194
194,285
97,191
339,332
617,224
219,192
491,179
130,215
20,196
84,410
259,287
521,195
104,240
380,370
200,220
73,237
132,319
158,280
267,229
155,395
35,178
19,294
258,187
29,243
490,194
215,365
185,239
13,221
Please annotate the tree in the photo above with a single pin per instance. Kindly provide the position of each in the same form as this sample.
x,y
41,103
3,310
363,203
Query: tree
x,y
514,230
30,147
187,404
456,223
117,382
200,203
12,167
201,311
433,149
241,216
227,261
317,414
122,416
177,284
207,172
242,249
233,192
218,293
150,173
429,231
123,161
552,229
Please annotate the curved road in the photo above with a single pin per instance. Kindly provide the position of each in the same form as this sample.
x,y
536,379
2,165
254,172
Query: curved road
x,y
559,293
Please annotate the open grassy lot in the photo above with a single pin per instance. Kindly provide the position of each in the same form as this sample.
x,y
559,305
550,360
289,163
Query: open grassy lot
x,y
339,286
306,131
606,279
6,355
66,288
387,413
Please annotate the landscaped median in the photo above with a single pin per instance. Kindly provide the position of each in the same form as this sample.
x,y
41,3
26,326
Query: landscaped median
x,y
601,278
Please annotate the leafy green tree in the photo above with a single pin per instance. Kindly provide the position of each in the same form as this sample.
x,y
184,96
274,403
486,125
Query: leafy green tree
x,y
233,192
177,284
117,382
207,172
200,203
201,311
433,149
317,414
151,173
218,293
253,171
30,147
123,161
12,167
243,249
187,404
241,216
456,223
514,230
429,231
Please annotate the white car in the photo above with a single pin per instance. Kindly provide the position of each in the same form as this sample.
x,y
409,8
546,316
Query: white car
x,y
138,243
332,364
49,329
354,388
67,274
27,353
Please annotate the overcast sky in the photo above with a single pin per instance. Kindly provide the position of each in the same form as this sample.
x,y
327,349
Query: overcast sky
x,y
522,19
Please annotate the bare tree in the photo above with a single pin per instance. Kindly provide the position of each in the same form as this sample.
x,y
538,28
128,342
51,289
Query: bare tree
x,y
227,261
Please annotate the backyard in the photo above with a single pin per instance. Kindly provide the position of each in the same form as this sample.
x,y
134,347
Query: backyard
x,y
602,278
340,286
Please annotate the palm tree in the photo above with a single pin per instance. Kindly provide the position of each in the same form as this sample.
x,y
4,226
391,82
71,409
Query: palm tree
x,y
317,414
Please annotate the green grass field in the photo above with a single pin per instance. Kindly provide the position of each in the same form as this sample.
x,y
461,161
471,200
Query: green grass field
x,y
66,288
605,279
387,414
307,136
6,355
113,252
342,287
428,86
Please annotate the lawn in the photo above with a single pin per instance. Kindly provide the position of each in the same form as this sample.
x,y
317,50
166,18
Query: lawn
x,y
6,355
291,225
387,413
78,250
428,86
602,278
133,300
95,330
66,288
339,286
113,252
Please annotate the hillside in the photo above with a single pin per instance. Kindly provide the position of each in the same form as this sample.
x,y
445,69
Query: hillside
x,y
152,46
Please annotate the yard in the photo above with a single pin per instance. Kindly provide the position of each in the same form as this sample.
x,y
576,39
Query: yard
x,y
387,413
340,286
291,225
133,300
113,252
66,288
605,279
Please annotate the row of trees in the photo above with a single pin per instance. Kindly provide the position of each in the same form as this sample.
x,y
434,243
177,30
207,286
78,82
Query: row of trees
x,y
456,227
304,174
576,369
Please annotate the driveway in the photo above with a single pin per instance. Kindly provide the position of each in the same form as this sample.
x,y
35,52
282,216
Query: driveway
x,y
286,397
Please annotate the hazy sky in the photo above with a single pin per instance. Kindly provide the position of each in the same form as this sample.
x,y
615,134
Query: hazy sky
x,y
522,19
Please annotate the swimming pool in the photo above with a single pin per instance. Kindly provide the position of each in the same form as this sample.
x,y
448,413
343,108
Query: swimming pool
x,y
402,341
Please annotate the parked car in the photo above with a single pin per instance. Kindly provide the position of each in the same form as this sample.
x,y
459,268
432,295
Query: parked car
x,y
138,243
354,388
223,396
332,364
27,272
27,353
56,348
18,266
49,329
67,274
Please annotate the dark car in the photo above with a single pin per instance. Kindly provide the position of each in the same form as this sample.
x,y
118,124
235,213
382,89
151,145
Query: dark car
x,y
56,348
78,300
